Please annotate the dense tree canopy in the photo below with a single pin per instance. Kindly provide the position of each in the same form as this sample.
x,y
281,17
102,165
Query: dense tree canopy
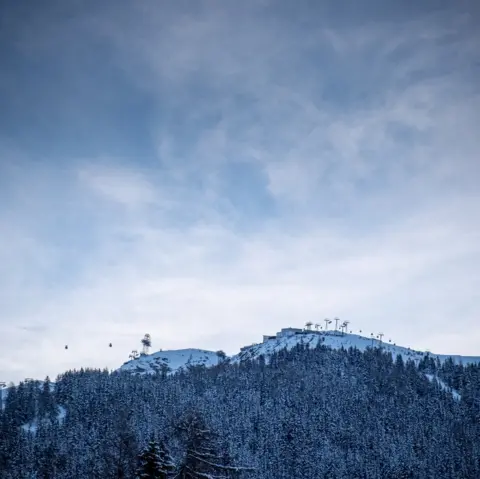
x,y
307,413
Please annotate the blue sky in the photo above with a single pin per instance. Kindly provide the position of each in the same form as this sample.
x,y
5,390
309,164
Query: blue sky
x,y
209,172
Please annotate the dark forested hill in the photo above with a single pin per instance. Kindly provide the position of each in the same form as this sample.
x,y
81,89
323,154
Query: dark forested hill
x,y
308,413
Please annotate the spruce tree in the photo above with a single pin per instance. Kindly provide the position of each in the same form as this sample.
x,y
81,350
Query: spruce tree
x,y
202,457
155,462
46,401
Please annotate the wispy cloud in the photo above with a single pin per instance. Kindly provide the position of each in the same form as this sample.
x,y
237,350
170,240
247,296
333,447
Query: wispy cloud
x,y
225,170
124,186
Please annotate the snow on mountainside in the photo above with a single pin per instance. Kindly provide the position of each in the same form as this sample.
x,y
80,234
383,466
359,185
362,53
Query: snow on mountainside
x,y
289,337
32,426
445,387
3,397
170,361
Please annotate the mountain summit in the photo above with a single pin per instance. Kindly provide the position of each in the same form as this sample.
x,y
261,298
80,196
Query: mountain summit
x,y
287,338
170,361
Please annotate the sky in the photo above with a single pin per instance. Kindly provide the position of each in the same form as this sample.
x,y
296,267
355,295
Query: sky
x,y
212,171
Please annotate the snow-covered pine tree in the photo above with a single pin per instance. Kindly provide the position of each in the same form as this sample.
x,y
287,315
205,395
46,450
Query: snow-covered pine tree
x,y
46,402
155,462
167,464
202,457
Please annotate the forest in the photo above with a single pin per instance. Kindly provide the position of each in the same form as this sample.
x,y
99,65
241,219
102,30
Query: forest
x,y
304,413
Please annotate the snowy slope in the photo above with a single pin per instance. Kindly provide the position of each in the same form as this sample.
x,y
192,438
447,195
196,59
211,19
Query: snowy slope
x,y
334,340
3,397
32,426
444,386
458,359
170,361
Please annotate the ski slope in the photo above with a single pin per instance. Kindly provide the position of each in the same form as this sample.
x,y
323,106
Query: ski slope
x,y
335,340
170,361
443,386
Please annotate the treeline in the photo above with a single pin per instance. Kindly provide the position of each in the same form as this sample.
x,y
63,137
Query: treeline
x,y
308,413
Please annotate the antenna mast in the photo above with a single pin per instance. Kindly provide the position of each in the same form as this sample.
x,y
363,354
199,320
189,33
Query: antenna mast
x,y
336,323
146,343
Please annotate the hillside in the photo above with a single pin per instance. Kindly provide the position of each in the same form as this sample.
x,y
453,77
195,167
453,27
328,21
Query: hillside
x,y
175,360
307,412
170,361
290,337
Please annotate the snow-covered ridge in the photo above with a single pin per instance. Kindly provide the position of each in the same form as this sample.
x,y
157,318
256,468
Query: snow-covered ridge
x,y
170,361
290,337
173,361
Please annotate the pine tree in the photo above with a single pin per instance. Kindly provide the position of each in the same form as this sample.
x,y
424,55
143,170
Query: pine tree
x,y
167,465
46,401
202,459
155,462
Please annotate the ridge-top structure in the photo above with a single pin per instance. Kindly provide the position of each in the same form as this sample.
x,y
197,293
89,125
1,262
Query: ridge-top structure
x,y
287,332
146,343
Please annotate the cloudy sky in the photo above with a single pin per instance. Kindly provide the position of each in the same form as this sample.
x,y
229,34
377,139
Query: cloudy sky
x,y
211,171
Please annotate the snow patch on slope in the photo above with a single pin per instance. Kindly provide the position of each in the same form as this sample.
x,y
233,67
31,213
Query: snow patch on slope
x,y
3,397
62,414
32,426
170,361
444,387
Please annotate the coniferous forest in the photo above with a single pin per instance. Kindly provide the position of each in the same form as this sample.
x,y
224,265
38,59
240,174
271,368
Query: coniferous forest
x,y
308,413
